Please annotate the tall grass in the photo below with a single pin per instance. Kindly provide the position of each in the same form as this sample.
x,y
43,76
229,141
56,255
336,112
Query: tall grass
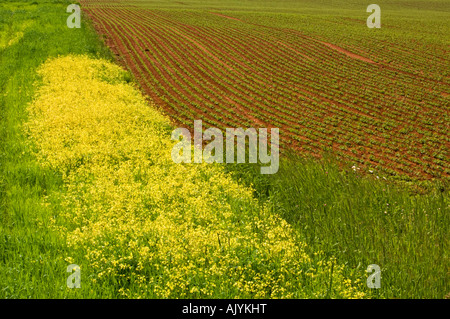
x,y
361,220
30,263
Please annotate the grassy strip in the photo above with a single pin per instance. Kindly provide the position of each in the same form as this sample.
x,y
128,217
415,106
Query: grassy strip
x,y
31,32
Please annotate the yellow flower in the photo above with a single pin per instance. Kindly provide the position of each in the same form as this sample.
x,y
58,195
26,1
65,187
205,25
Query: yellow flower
x,y
153,226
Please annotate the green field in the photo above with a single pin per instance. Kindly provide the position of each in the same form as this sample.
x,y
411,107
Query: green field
x,y
55,210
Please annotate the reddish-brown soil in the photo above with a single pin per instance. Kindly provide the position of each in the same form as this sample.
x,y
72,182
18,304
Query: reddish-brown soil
x,y
348,53
225,16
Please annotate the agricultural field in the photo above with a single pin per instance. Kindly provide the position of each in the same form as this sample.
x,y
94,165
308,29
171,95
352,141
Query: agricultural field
x,y
378,98
87,175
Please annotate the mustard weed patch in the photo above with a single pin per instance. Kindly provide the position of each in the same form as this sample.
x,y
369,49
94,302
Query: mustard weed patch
x,y
144,225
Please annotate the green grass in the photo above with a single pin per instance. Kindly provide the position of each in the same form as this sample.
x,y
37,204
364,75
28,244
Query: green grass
x,y
30,254
363,220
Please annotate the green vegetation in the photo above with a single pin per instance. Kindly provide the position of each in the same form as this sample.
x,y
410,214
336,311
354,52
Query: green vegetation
x,y
345,213
30,254
361,220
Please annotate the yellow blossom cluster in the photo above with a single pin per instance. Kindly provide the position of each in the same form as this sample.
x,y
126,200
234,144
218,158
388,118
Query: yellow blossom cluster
x,y
149,226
